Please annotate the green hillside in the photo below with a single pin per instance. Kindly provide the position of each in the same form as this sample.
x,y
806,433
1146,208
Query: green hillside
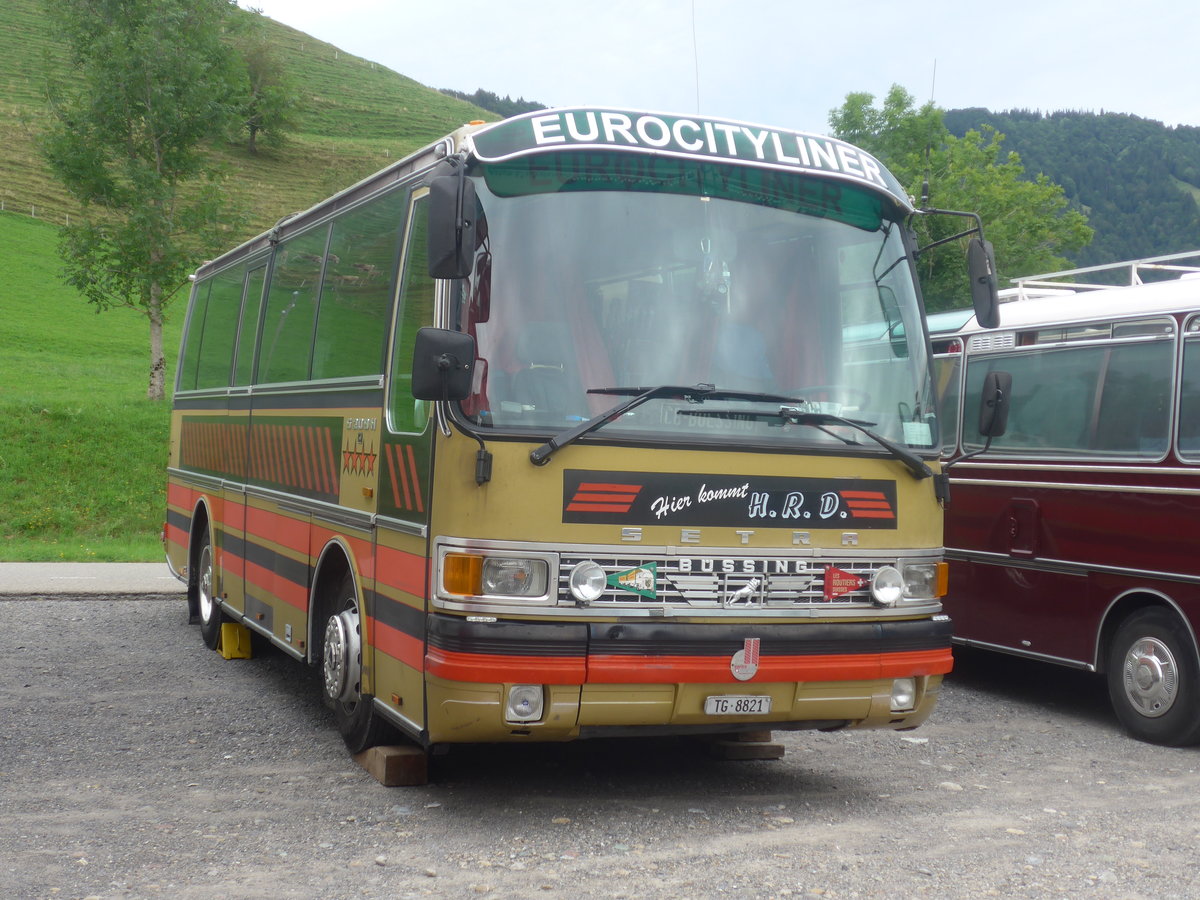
x,y
82,452
354,118
1137,180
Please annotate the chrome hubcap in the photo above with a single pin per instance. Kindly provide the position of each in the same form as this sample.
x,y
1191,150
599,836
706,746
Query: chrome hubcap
x,y
205,589
342,665
1151,677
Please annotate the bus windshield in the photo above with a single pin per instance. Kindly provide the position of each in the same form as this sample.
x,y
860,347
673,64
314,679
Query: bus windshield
x,y
617,272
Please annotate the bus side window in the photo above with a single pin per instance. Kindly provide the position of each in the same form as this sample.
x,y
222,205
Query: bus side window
x,y
286,341
243,366
414,310
1134,404
220,328
1189,402
189,360
356,293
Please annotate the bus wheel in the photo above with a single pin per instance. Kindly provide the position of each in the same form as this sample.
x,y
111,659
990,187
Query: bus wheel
x,y
1154,679
209,610
341,670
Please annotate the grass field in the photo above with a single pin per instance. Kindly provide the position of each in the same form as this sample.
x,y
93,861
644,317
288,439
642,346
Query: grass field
x,y
82,452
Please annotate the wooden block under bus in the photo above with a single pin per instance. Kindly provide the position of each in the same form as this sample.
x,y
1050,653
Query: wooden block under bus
x,y
396,766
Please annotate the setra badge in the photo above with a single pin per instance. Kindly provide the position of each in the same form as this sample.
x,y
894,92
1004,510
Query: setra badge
x,y
744,664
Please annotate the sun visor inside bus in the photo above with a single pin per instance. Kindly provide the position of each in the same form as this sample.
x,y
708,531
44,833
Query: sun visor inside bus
x,y
567,171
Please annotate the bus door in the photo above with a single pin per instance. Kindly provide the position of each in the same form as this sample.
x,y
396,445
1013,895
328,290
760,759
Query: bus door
x,y
232,561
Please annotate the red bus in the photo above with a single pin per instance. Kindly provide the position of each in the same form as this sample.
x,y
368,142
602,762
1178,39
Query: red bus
x,y
1072,539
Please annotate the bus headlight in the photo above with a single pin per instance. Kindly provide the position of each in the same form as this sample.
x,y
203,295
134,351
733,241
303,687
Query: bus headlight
x,y
513,576
887,586
477,575
924,581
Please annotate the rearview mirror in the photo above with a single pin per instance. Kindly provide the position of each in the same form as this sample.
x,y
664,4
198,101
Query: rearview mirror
x,y
451,226
443,364
993,406
981,268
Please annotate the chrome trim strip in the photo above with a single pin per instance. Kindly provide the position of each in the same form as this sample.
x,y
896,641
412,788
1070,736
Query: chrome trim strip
x,y
1146,468
1075,486
411,528
1027,654
402,722
1063,566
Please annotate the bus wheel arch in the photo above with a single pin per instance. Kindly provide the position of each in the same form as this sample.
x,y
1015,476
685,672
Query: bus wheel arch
x,y
337,627
1152,668
204,607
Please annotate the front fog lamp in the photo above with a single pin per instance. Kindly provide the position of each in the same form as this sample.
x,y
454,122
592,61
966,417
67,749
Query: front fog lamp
x,y
904,694
887,587
511,577
524,703
588,581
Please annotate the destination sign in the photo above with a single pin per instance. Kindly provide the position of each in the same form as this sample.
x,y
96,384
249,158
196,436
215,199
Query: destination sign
x,y
692,136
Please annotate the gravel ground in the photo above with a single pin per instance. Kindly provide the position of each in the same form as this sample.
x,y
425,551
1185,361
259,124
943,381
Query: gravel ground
x,y
135,763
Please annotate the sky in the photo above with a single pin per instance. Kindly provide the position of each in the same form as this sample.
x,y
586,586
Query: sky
x,y
784,63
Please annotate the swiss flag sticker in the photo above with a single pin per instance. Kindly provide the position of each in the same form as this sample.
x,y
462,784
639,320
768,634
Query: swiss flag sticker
x,y
839,582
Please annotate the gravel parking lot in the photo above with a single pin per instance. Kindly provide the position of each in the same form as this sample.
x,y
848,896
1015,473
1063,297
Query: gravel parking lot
x,y
135,763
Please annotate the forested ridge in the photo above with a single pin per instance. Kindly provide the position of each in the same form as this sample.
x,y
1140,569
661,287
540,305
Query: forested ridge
x,y
1137,180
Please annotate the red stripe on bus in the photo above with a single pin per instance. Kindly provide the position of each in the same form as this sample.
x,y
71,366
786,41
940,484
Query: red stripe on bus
x,y
274,585
863,495
624,669
598,507
416,478
398,645
609,488
490,668
399,454
283,530
872,514
401,571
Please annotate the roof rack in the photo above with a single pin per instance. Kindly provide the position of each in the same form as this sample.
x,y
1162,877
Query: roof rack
x,y
1040,285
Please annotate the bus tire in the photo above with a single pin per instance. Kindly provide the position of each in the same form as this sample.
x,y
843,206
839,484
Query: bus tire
x,y
208,608
341,672
1154,679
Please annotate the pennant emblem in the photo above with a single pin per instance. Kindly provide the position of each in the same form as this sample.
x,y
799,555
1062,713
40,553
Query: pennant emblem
x,y
744,664
642,580
839,582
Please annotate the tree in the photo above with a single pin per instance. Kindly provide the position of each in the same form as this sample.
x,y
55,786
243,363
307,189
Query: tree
x,y
1029,222
152,83
268,107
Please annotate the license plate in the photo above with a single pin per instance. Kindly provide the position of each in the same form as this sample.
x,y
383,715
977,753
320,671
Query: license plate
x,y
735,705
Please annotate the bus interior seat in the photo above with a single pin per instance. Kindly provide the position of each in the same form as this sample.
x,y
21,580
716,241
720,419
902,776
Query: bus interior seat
x,y
545,384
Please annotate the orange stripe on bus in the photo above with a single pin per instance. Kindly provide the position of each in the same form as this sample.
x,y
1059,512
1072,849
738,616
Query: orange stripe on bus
x,y
487,668
402,571
698,670
416,479
398,645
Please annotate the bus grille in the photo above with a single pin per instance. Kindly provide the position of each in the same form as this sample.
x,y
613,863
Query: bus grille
x,y
722,582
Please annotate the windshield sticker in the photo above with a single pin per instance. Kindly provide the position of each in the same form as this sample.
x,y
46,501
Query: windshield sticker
x,y
647,498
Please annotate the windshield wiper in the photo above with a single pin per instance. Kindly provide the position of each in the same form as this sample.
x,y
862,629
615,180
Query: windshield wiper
x,y
798,416
696,393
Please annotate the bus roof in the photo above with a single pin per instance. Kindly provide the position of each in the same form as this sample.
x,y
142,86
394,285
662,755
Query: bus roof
x,y
1039,301
688,136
